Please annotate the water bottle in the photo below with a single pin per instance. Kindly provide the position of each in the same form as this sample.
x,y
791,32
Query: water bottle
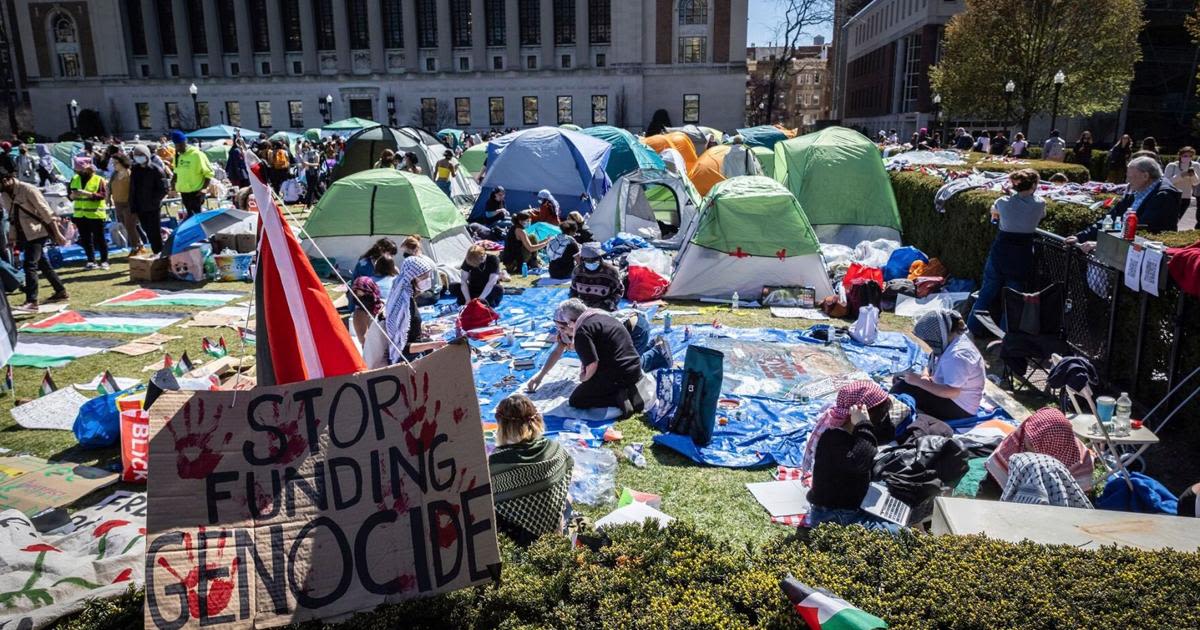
x,y
635,454
1107,224
667,322
1118,226
524,270
735,301
1121,424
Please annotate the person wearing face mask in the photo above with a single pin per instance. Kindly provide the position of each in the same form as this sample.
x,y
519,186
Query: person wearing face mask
x,y
147,188
88,192
32,226
548,208
519,247
402,319
596,281
480,278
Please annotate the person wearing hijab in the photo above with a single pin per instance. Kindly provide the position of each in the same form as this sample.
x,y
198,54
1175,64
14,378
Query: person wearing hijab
x,y
403,321
1047,432
548,208
843,456
953,386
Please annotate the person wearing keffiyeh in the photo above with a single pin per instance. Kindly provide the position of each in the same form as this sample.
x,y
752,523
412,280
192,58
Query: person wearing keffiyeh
x,y
865,393
1047,432
531,475
403,321
953,388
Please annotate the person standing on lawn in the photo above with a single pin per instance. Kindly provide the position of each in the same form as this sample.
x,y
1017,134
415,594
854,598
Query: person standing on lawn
x,y
118,196
147,188
32,226
88,191
192,173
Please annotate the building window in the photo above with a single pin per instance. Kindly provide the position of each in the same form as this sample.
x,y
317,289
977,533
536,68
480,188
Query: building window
x,y
693,11
203,69
196,28
202,112
429,113
599,109
265,67
531,62
393,24
297,67
264,114
816,78
143,115
145,71
173,116
493,11
430,64
166,27
174,69
529,110
599,21
565,62
427,27
225,13
235,68
497,62
496,111
692,49
464,64
691,108
912,73
530,14
260,29
564,22
233,111
326,39
601,60
462,111
360,31
460,23
137,28
296,114
566,110
293,38
66,45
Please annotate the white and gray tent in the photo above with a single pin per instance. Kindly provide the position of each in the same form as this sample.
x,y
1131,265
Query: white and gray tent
x,y
643,203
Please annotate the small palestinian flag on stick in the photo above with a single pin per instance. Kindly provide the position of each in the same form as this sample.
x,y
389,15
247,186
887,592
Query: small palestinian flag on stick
x,y
214,349
247,336
168,362
823,611
8,379
183,365
48,386
108,384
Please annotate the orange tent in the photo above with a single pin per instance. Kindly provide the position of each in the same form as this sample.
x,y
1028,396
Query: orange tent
x,y
675,140
707,171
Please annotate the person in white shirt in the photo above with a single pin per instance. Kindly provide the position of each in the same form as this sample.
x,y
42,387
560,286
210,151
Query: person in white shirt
x,y
1019,145
953,389
1054,148
983,142
1183,177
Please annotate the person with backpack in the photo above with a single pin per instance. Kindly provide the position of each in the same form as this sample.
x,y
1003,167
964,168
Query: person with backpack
x,y
32,227
281,164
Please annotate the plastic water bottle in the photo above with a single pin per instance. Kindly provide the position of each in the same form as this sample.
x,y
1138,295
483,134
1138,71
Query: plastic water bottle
x,y
735,299
1107,224
524,270
667,322
1121,423
635,453
1118,226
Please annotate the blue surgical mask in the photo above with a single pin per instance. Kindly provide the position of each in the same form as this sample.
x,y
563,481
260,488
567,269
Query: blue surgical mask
x,y
592,265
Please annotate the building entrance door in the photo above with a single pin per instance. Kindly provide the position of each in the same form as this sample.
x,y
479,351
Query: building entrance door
x,y
362,108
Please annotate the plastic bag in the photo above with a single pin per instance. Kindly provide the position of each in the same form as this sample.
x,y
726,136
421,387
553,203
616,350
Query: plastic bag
x,y
594,478
866,328
875,253
646,284
98,423
652,258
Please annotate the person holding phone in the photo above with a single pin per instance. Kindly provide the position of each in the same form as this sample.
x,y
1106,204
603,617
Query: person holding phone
x,y
1183,177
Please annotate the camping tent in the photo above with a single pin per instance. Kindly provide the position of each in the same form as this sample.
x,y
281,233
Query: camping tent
x,y
628,155
347,126
751,233
364,148
673,140
359,209
452,138
838,177
642,202
763,136
698,135
567,163
570,127
223,132
474,157
217,152
766,159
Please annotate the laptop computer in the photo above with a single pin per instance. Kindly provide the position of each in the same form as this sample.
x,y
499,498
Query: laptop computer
x,y
879,502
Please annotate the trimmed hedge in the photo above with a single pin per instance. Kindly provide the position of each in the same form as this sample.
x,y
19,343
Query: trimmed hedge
x,y
1045,169
681,578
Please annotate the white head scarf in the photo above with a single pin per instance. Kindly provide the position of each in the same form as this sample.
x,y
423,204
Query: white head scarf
x,y
398,308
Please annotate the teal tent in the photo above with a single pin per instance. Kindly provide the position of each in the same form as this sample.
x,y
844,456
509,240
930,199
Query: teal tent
x,y
222,132
627,155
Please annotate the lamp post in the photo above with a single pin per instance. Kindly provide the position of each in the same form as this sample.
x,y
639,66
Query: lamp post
x,y
1009,88
391,110
328,108
1059,80
73,115
193,90
937,114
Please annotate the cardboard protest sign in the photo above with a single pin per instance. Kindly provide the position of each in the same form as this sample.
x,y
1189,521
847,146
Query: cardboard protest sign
x,y
319,498
32,484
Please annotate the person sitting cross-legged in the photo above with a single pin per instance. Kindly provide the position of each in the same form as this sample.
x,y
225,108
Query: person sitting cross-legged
x,y
531,475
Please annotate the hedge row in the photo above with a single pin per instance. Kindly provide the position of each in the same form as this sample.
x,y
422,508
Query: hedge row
x,y
680,578
1099,164
1045,169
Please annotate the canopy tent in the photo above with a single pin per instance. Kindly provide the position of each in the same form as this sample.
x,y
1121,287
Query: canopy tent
x,y
474,158
627,155
347,126
567,163
201,226
364,148
766,136
751,233
766,159
643,203
223,132
361,208
63,168
673,140
452,138
838,177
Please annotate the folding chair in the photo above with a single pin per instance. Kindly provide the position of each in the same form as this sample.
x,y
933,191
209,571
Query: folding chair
x,y
1034,332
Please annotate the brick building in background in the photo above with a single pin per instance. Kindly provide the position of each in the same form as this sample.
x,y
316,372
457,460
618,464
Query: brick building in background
x,y
802,96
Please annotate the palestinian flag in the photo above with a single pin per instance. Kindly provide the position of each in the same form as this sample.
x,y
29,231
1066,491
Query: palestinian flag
x,y
151,297
95,321
183,365
48,386
823,611
8,334
247,335
213,348
108,384
8,378
47,351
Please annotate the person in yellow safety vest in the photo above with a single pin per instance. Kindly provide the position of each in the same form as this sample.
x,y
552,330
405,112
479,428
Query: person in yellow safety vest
x,y
192,172
88,191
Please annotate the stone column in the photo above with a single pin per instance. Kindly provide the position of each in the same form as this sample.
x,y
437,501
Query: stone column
x,y
154,54
183,38
547,36
308,33
582,50
512,34
275,37
212,36
479,29
341,30
412,59
375,10
241,13
445,46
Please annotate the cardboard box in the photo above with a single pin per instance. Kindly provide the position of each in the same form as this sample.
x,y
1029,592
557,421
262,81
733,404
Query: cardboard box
x,y
148,268
247,243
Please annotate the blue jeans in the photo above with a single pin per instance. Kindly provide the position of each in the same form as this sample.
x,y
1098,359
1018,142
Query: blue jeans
x,y
444,185
1008,266
652,357
818,515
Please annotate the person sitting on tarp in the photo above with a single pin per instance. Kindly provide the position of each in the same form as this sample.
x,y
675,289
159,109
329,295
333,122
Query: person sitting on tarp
x,y
611,367
843,456
582,233
531,475
480,278
563,251
403,320
953,388
519,247
596,281
1047,432
548,208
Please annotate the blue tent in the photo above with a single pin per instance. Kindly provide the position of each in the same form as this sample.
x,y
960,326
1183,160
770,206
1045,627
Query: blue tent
x,y
762,136
567,163
627,154
222,132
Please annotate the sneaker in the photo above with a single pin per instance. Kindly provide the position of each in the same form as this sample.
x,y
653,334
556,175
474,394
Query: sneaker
x,y
104,265
60,296
28,307
659,355
89,266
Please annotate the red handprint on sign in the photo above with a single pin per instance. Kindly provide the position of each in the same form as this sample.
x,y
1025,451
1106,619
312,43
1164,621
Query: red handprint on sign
x,y
397,496
194,454
220,591
296,444
419,414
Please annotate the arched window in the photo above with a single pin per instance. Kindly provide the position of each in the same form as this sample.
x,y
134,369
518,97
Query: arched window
x,y
64,29
66,44
693,11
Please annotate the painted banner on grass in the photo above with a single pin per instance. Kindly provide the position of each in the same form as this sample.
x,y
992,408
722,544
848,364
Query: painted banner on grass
x,y
46,351
151,297
318,498
96,321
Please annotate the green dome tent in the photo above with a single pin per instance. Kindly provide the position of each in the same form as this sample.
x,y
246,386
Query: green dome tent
x,y
766,159
364,148
473,158
347,126
359,209
750,233
838,177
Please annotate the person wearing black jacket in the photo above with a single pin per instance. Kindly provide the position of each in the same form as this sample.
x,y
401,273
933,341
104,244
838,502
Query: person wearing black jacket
x,y
1149,195
1118,158
147,187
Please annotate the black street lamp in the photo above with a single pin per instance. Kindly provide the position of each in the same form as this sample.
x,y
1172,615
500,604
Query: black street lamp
x,y
937,114
1059,80
327,112
193,90
391,109
73,115
1009,88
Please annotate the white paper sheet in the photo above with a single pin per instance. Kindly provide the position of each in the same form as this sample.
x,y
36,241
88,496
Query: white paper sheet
x,y
635,513
552,397
1133,268
1151,266
795,312
56,410
781,498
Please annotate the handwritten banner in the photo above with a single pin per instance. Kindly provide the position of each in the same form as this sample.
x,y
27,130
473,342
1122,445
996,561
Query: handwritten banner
x,y
318,499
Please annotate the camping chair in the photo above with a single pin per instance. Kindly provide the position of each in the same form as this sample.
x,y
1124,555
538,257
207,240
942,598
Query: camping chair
x,y
1076,377
1035,332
